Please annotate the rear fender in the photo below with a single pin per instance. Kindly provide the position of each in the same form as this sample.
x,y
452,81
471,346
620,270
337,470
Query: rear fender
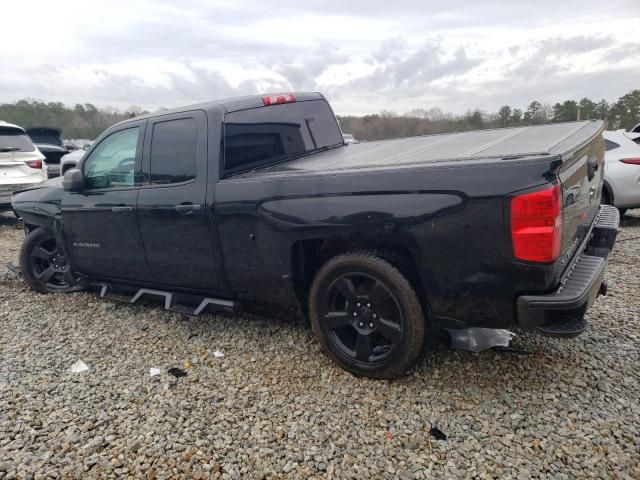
x,y
369,221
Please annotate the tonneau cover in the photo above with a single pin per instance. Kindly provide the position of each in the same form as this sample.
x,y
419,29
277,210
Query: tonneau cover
x,y
504,143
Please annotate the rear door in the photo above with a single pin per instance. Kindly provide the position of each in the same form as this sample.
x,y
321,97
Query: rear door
x,y
174,220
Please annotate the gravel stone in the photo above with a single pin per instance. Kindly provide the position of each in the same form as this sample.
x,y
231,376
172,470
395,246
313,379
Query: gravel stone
x,y
275,407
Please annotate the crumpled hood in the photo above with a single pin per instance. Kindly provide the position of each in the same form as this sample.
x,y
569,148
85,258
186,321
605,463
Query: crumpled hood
x,y
40,201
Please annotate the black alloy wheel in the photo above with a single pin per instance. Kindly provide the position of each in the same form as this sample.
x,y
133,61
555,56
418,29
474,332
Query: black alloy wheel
x,y
44,265
367,316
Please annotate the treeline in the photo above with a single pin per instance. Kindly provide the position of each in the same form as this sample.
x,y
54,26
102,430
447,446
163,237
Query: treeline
x,y
88,121
80,121
625,113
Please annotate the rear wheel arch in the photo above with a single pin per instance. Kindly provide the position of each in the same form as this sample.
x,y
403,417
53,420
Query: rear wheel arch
x,y
308,257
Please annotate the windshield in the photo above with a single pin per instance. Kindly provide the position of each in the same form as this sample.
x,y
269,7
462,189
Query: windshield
x,y
15,141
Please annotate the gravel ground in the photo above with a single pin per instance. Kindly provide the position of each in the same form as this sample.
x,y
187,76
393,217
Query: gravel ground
x,y
275,407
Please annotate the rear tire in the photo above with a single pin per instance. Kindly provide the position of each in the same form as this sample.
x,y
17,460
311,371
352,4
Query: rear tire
x,y
366,316
43,264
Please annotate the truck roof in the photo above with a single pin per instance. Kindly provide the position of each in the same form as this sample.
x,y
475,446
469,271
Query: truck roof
x,y
226,105
555,139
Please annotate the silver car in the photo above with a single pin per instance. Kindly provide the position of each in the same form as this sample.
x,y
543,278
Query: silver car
x,y
621,170
71,160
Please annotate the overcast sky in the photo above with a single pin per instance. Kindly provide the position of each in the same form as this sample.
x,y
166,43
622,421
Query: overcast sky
x,y
366,56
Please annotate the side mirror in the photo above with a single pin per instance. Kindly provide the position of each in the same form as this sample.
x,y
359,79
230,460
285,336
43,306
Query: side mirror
x,y
73,181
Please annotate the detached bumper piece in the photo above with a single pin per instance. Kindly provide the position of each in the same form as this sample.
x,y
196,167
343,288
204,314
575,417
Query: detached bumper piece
x,y
561,313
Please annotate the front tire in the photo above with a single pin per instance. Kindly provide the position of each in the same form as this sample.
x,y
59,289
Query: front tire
x,y
44,265
367,316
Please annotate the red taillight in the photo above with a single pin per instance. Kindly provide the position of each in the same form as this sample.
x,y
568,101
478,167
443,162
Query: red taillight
x,y
631,161
34,163
536,225
278,98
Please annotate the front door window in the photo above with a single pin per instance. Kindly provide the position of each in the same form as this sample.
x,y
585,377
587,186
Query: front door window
x,y
112,163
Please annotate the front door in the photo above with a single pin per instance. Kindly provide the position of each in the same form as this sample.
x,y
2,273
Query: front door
x,y
175,221
100,225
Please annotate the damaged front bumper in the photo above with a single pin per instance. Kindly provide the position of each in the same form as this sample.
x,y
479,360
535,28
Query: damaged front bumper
x,y
561,313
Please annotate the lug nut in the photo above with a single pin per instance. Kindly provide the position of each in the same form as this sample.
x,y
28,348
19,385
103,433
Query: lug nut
x,y
375,315
358,304
368,305
355,314
371,325
361,324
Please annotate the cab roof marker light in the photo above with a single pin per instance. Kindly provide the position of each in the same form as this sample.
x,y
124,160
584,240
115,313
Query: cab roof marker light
x,y
278,98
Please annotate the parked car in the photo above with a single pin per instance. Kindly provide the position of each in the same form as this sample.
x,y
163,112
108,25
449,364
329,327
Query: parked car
x,y
20,162
70,160
348,138
75,144
634,133
621,171
382,243
49,141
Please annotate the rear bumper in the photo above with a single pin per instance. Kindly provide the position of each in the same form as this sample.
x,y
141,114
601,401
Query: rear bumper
x,y
561,313
7,190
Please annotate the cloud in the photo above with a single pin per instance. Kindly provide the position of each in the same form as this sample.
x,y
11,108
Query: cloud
x,y
621,52
367,56
302,73
552,56
415,70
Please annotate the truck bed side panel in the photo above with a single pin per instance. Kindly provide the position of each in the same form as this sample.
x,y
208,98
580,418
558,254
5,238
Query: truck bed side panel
x,y
451,219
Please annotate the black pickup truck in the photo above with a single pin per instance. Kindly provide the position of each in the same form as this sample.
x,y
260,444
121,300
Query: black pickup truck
x,y
380,243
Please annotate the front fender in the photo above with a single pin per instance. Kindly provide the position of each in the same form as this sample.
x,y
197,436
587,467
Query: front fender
x,y
39,206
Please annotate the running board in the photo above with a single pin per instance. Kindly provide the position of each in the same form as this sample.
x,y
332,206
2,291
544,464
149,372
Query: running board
x,y
106,292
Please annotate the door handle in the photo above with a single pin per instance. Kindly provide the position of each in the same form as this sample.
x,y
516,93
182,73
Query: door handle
x,y
187,208
121,209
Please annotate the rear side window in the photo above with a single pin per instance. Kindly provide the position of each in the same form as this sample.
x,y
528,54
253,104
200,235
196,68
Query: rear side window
x,y
264,135
12,140
609,145
173,151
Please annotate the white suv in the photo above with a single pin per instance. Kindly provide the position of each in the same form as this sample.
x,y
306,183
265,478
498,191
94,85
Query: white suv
x,y
621,170
20,162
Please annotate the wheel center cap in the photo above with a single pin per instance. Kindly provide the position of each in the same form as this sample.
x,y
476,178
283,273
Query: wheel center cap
x,y
59,262
364,313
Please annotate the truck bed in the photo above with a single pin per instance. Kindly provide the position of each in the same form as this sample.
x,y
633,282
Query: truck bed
x,y
558,139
